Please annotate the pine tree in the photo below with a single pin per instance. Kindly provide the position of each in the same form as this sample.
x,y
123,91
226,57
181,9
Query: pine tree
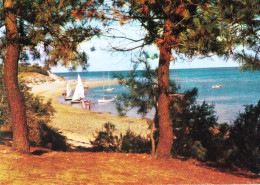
x,y
56,26
181,27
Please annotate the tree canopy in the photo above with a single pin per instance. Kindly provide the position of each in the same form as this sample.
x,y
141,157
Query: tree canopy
x,y
54,29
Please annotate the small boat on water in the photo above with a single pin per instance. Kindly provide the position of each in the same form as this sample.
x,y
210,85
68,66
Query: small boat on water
x,y
79,93
110,89
104,100
217,86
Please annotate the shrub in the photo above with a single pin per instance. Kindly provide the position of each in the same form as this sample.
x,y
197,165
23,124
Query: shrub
x,y
131,143
27,67
244,139
107,141
52,139
192,126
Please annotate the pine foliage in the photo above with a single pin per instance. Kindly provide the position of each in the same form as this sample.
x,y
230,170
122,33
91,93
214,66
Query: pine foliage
x,y
244,21
53,30
197,27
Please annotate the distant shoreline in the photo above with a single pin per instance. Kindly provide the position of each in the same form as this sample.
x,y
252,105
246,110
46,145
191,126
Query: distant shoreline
x,y
206,68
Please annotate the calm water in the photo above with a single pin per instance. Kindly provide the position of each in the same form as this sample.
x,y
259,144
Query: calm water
x,y
239,88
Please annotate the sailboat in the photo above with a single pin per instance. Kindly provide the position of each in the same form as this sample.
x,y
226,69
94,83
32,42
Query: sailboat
x,y
109,89
79,92
68,92
104,100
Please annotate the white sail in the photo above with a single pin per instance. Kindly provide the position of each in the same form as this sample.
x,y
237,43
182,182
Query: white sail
x,y
79,90
103,100
69,91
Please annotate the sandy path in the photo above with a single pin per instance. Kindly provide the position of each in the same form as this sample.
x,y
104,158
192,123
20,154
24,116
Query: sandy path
x,y
79,126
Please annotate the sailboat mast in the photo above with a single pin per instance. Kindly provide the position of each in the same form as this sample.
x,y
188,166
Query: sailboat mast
x,y
108,80
103,85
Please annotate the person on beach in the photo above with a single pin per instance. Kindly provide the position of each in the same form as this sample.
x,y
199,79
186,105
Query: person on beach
x,y
85,105
88,104
64,93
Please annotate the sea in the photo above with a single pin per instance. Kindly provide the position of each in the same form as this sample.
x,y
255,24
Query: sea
x,y
239,88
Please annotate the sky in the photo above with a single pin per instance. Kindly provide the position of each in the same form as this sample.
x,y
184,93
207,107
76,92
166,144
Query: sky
x,y
102,59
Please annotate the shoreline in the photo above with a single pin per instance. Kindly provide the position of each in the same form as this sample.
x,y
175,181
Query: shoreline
x,y
80,126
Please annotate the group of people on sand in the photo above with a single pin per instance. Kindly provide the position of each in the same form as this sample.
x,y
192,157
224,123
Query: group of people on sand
x,y
86,104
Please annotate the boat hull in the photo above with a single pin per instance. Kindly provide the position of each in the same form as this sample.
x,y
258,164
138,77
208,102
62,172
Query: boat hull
x,y
106,100
110,89
77,101
217,86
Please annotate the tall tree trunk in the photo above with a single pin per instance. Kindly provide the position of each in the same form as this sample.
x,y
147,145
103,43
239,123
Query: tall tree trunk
x,y
164,120
14,96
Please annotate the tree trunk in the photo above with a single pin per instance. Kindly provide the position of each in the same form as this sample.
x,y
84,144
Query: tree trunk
x,y
164,120
14,96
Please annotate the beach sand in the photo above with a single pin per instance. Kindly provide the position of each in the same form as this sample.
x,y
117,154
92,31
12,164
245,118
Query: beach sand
x,y
78,125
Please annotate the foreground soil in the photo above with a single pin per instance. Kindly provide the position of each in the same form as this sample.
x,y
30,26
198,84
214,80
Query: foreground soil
x,y
49,167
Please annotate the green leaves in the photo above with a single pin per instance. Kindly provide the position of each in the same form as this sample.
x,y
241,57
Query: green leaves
x,y
53,25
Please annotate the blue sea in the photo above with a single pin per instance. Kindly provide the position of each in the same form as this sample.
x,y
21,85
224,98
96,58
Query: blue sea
x,y
238,89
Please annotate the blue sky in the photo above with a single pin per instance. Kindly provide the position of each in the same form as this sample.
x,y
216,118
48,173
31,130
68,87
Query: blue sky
x,y
102,60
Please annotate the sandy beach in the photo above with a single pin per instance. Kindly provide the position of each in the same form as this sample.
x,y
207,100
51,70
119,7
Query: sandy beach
x,y
78,125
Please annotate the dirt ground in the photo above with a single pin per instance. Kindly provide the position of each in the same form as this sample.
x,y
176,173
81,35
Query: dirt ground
x,y
49,167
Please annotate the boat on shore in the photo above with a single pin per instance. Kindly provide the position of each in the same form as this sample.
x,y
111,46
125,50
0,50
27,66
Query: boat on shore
x,y
68,93
79,93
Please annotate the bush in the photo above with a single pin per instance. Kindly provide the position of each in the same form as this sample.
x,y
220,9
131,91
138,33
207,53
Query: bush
x,y
244,139
52,139
107,141
192,125
27,67
131,143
